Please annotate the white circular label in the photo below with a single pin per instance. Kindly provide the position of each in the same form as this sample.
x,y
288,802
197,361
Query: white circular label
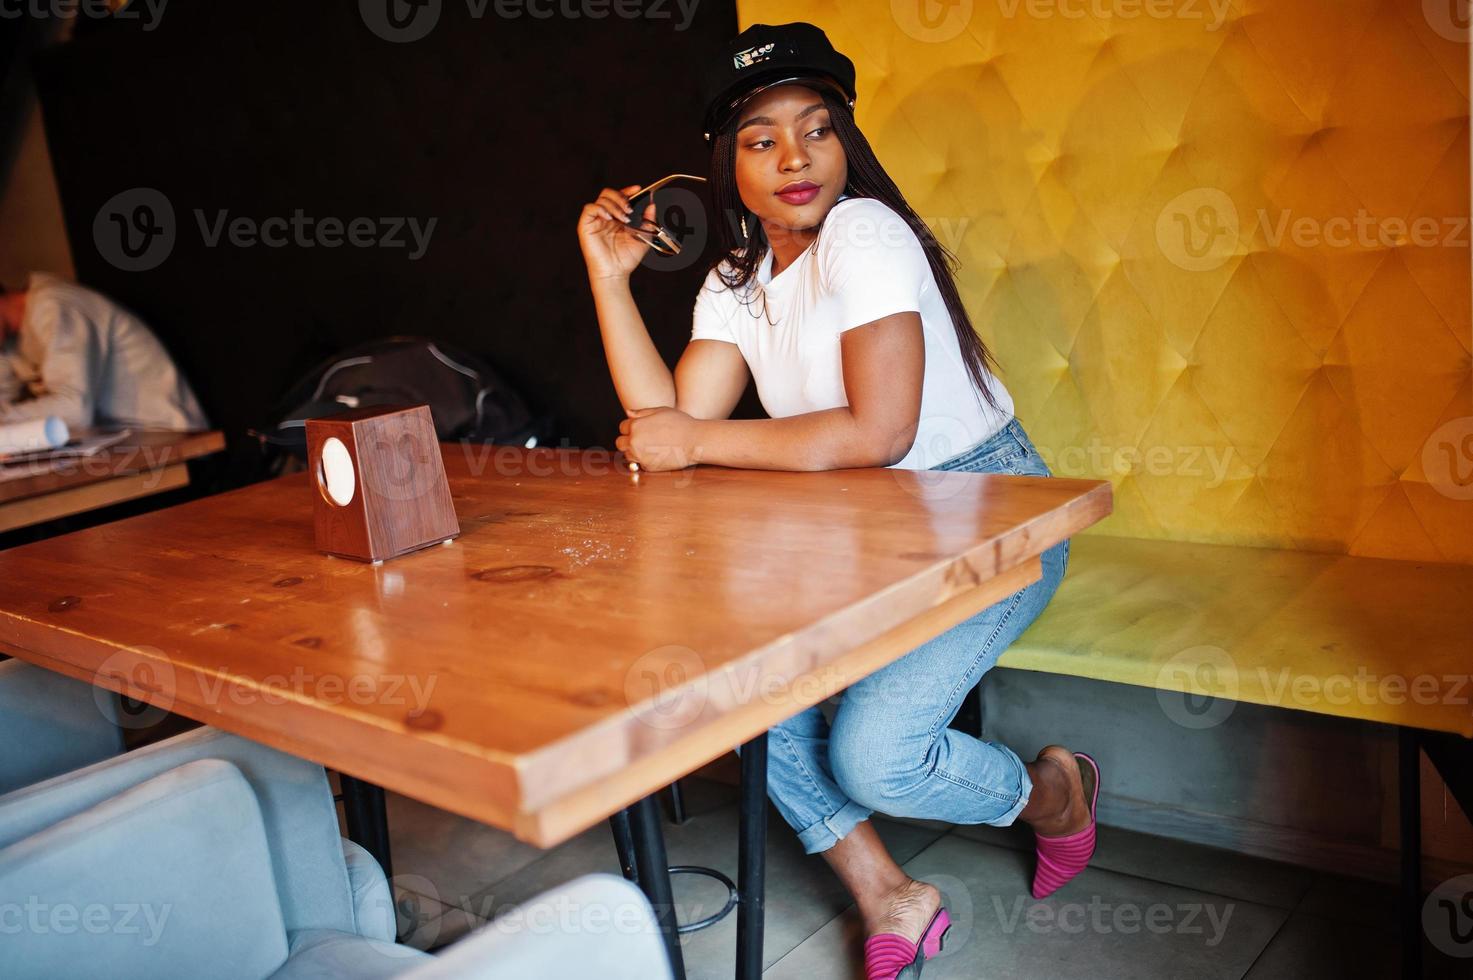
x,y
338,478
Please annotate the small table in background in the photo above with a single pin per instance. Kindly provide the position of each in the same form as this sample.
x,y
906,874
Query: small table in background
x,y
147,462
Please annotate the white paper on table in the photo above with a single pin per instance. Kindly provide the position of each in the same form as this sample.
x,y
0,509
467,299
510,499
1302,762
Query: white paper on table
x,y
90,445
32,435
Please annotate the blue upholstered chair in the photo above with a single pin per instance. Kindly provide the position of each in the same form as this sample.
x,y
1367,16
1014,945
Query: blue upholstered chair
x,y
51,724
210,856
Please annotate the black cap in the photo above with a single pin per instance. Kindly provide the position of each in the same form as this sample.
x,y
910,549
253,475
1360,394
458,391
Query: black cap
x,y
766,55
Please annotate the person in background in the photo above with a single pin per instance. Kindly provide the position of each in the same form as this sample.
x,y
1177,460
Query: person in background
x,y
71,352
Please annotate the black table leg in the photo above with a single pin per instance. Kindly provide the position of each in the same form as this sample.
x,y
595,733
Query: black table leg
x,y
640,842
624,845
367,819
752,859
1452,756
1409,784
677,804
653,869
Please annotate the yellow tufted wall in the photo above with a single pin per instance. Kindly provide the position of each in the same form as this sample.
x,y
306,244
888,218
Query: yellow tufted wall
x,y
1220,248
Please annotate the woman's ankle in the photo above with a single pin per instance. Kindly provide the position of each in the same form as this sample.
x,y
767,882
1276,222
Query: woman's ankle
x,y
861,862
1048,808
902,910
876,896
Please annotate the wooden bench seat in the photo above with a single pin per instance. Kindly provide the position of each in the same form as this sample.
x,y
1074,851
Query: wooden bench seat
x,y
1359,638
1366,638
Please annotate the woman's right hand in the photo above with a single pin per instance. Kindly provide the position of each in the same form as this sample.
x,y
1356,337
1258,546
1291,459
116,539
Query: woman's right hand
x,y
609,246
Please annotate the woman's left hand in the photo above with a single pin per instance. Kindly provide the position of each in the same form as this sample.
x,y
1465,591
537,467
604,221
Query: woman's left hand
x,y
658,439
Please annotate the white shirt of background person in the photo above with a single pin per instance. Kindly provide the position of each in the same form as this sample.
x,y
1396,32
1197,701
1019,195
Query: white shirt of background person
x,y
89,362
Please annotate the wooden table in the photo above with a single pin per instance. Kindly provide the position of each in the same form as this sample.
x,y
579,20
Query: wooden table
x,y
589,638
149,461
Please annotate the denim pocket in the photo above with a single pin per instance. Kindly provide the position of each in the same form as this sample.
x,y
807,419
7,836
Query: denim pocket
x,y
998,450
1004,461
1009,450
1027,464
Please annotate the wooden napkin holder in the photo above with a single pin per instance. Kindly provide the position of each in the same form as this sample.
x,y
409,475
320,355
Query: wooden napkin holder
x,y
379,483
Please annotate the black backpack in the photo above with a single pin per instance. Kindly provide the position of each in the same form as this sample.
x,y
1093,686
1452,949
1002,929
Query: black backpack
x,y
468,400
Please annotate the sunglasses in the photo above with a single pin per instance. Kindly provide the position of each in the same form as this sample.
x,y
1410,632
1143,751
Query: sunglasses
x,y
651,232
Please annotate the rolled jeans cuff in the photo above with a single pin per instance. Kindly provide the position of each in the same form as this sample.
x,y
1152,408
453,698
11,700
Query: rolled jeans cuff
x,y
1025,789
832,829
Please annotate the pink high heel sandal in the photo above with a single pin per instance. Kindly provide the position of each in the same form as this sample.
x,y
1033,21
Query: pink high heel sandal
x,y
891,957
1061,858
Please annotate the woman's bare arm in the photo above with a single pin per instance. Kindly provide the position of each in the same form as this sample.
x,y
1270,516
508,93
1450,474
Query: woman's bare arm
x,y
641,377
710,379
707,382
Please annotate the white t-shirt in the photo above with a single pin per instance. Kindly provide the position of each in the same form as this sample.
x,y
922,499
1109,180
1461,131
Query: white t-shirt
x,y
92,363
866,264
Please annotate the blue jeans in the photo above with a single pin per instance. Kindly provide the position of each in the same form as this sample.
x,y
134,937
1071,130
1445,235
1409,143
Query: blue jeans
x,y
889,748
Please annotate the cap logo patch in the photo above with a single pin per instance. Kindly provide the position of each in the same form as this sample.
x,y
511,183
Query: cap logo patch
x,y
753,56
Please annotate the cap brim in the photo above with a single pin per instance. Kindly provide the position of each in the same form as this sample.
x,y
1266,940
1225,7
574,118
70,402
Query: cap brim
x,y
734,107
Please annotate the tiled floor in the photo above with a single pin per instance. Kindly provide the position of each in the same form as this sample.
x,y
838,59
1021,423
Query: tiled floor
x,y
1146,908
